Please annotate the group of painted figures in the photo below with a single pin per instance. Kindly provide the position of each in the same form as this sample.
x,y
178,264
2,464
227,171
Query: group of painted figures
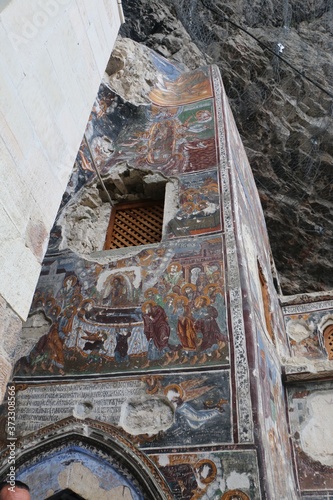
x,y
185,330
180,322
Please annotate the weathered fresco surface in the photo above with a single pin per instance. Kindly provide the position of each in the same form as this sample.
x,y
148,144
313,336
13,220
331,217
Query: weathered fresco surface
x,y
311,414
162,308
306,325
224,475
160,329
66,467
199,405
272,415
263,321
199,210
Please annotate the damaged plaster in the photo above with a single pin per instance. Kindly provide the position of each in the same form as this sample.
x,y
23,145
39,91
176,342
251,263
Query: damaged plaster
x,y
85,219
316,432
146,415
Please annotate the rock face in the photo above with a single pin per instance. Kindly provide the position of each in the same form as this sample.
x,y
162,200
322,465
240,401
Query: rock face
x,y
284,119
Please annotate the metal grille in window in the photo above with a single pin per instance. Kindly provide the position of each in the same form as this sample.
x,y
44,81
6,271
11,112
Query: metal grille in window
x,y
133,224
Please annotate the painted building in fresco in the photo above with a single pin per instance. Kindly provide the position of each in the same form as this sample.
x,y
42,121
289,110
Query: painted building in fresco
x,y
158,373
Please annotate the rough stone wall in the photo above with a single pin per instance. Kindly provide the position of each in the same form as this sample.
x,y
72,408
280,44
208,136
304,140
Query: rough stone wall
x,y
284,120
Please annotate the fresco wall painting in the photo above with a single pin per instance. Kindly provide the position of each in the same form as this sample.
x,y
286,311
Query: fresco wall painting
x,y
307,326
199,407
164,308
310,414
224,475
251,236
64,470
160,327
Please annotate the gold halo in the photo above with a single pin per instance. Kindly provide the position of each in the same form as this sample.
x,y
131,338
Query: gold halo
x,y
211,476
229,494
85,302
208,287
207,299
189,204
174,387
150,290
183,299
145,304
188,285
70,277
179,267
55,310
170,295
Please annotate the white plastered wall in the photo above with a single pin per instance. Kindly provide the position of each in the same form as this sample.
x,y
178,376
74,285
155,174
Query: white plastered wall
x,y
52,59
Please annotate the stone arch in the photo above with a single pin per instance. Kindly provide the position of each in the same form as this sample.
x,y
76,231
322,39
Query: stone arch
x,y
326,329
68,453
328,340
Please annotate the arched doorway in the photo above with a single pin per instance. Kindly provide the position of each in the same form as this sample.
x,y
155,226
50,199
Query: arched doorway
x,y
66,494
84,459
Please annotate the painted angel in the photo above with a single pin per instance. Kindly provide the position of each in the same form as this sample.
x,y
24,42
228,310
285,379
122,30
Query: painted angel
x,y
180,395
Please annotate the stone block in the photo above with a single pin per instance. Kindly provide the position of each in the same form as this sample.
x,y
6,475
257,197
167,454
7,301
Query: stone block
x,y
97,50
146,415
9,59
17,292
5,373
10,328
13,193
11,140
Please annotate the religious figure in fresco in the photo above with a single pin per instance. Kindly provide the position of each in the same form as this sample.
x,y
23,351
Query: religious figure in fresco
x,y
49,350
189,290
206,325
69,289
179,398
85,308
115,291
66,321
94,344
215,294
156,330
54,347
174,275
201,283
154,295
121,349
189,481
186,330
172,313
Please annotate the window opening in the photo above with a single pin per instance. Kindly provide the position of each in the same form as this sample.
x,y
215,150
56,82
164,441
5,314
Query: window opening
x,y
135,223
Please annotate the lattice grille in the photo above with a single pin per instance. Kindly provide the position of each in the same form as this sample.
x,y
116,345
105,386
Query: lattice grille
x,y
134,224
